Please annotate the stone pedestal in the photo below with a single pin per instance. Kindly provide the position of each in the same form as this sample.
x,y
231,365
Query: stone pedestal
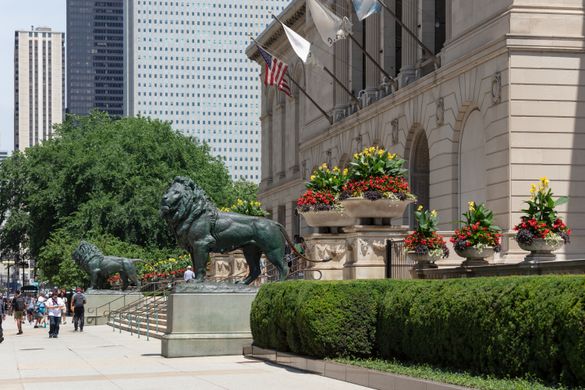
x,y
101,302
367,250
359,252
208,319
326,246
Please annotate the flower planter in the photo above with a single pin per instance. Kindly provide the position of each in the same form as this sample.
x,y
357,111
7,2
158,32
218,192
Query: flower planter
x,y
541,250
328,218
381,208
474,256
423,261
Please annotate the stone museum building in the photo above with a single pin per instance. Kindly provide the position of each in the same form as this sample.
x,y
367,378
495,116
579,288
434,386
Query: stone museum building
x,y
501,104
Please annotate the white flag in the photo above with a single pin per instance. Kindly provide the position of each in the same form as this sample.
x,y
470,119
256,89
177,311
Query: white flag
x,y
301,46
331,27
365,8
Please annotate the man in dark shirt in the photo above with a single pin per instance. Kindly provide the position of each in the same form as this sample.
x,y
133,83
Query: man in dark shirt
x,y
77,307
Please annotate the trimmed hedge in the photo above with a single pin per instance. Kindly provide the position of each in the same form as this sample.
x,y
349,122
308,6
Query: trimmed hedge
x,y
322,319
511,326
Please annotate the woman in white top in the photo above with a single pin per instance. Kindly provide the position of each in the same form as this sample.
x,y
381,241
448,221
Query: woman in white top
x,y
56,307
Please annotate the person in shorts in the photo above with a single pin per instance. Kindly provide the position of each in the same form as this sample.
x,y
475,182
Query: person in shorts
x,y
18,307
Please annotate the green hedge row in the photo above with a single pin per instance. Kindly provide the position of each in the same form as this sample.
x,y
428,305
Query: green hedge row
x,y
513,326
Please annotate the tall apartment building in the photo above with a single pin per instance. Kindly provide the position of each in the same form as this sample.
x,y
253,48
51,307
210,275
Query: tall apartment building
x,y
39,74
95,56
187,66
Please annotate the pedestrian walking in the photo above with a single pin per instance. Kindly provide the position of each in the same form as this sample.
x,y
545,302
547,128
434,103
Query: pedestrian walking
x,y
56,307
2,318
189,275
78,302
18,306
40,310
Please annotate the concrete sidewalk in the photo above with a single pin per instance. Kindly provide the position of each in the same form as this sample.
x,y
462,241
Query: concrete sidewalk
x,y
101,359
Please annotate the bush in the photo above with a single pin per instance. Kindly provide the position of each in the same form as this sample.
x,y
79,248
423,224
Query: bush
x,y
514,326
322,319
509,327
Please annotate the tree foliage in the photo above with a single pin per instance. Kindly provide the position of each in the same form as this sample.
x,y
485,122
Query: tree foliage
x,y
102,176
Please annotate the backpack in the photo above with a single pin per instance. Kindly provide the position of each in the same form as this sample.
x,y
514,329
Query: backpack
x,y
19,304
40,307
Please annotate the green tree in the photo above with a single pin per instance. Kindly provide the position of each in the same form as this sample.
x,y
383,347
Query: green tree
x,y
244,190
102,176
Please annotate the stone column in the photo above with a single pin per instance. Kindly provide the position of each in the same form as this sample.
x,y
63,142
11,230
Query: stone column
x,y
266,123
373,48
409,46
341,67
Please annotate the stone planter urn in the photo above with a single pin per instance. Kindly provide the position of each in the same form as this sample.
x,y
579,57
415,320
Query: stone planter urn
x,y
381,208
541,250
474,256
328,218
423,261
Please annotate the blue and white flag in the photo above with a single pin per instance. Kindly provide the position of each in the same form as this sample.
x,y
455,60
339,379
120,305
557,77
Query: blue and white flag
x,y
365,8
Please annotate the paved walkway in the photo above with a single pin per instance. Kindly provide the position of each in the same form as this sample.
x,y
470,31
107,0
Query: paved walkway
x,y
101,359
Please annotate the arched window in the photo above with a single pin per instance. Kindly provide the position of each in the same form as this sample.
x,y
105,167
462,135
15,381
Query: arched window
x,y
472,174
419,172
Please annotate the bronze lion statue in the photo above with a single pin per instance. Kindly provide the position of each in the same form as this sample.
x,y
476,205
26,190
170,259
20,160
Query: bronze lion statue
x,y
99,267
200,228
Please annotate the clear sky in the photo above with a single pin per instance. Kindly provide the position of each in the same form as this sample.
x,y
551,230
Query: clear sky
x,y
20,15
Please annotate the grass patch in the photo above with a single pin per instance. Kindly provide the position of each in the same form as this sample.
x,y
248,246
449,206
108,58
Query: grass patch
x,y
465,379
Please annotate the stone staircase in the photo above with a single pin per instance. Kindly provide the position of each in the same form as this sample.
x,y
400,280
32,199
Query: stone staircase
x,y
146,317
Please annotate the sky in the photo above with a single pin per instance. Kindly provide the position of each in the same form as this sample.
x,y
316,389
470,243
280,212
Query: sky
x,y
20,15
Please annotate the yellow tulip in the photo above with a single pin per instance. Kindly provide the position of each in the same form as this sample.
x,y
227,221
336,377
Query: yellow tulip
x,y
420,208
434,213
312,177
356,156
336,169
324,166
380,152
345,172
533,189
544,182
471,205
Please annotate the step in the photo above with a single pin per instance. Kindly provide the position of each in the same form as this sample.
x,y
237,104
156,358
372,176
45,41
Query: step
x,y
140,330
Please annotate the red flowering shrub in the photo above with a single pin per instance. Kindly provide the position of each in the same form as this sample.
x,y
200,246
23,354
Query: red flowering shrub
x,y
425,239
540,219
478,230
316,201
387,186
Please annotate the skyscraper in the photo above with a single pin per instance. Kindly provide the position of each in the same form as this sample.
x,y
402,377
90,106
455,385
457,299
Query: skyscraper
x,y
38,85
187,66
95,56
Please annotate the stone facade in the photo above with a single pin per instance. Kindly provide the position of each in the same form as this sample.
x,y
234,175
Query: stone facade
x,y
502,110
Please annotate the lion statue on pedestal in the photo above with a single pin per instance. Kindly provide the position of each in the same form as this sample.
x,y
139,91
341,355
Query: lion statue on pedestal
x,y
200,228
99,267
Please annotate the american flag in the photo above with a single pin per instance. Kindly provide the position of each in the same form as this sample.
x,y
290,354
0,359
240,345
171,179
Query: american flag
x,y
275,71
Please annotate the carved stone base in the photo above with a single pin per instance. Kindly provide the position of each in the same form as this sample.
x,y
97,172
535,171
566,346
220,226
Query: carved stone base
x,y
367,250
323,246
359,252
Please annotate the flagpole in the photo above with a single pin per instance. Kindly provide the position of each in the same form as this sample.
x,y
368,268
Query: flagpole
x,y
331,74
412,34
329,118
372,59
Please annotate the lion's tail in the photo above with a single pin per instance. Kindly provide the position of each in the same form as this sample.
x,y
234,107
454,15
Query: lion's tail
x,y
292,247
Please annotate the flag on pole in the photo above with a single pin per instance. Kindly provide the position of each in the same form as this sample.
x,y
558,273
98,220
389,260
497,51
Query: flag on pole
x,y
275,71
365,8
331,27
301,46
